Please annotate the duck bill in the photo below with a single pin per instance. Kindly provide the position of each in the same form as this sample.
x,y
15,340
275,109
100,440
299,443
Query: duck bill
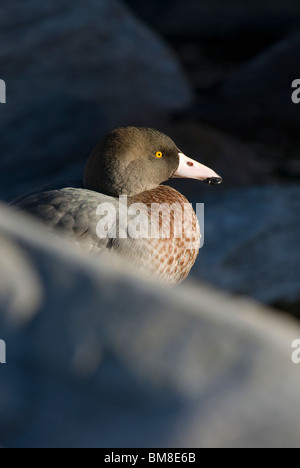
x,y
190,169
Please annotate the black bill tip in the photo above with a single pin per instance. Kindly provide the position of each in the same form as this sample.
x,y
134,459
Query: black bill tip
x,y
214,180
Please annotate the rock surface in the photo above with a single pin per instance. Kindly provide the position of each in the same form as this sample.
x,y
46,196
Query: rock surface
x,y
251,243
74,71
96,358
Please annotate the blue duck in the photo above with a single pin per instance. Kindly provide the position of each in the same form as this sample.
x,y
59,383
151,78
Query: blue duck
x,y
121,185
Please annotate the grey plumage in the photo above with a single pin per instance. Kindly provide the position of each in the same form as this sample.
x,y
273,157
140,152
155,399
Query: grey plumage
x,y
71,210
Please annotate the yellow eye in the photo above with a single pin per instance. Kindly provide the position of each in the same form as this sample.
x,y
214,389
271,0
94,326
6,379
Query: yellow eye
x,y
159,154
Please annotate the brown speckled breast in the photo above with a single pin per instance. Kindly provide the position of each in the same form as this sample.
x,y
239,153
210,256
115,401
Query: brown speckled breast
x,y
171,255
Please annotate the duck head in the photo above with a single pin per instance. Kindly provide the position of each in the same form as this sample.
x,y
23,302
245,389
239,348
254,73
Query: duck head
x,y
130,161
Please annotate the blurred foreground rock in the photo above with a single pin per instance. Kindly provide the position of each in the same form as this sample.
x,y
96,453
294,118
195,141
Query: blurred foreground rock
x,y
74,71
252,243
96,358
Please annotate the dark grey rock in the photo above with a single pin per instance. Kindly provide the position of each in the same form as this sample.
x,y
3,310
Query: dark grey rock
x,y
100,359
251,243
